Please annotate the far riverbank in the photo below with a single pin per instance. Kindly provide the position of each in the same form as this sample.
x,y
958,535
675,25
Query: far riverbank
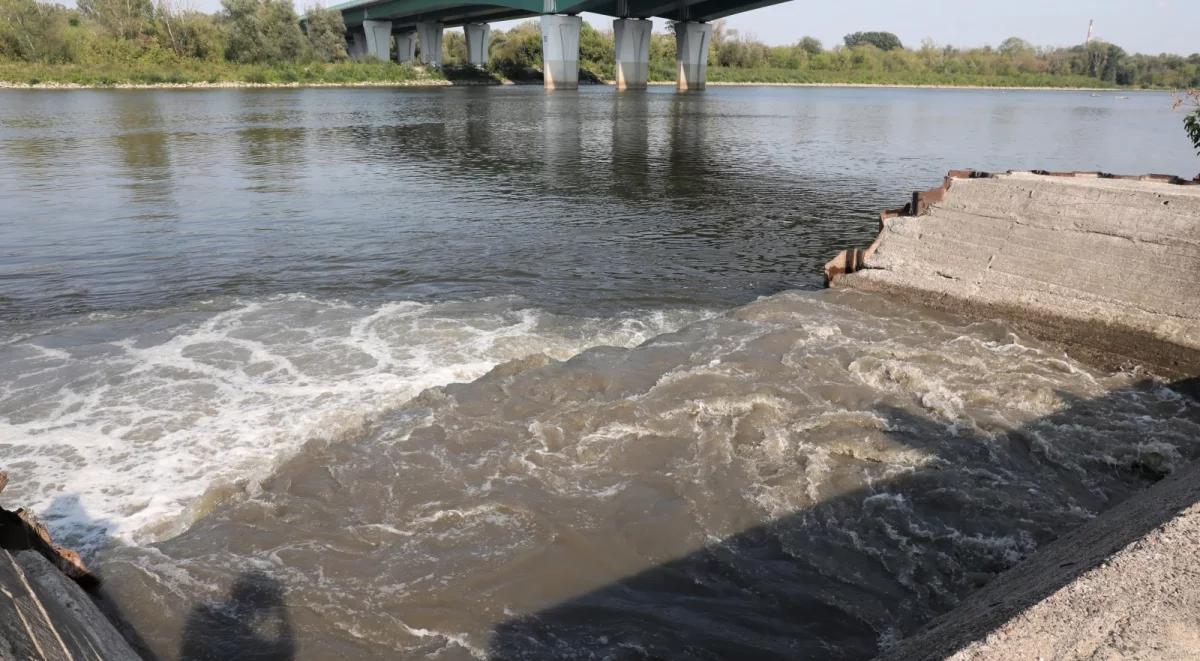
x,y
17,75
445,82
442,82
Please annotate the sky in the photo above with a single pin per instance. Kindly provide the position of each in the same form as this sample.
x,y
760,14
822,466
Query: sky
x,y
1138,26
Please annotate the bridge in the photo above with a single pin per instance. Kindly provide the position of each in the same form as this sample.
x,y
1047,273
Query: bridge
x,y
372,25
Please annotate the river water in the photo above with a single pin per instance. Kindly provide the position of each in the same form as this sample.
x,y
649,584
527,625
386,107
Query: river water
x,y
496,373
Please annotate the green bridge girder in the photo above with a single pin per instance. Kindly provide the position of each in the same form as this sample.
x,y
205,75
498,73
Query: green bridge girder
x,y
404,14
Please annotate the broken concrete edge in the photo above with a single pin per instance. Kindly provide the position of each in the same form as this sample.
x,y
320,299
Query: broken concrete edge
x,y
1104,343
22,531
853,259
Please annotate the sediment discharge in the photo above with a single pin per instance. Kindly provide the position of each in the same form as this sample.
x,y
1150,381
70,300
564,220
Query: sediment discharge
x,y
1109,267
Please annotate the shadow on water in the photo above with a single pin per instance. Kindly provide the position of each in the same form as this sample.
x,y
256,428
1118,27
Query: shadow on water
x,y
252,623
822,582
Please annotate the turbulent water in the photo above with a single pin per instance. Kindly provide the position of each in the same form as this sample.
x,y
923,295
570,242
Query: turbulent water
x,y
806,476
177,409
515,375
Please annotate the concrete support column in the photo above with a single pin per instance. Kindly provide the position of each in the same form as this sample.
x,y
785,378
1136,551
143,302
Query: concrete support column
x,y
633,52
560,51
691,52
479,35
379,39
406,47
430,34
357,44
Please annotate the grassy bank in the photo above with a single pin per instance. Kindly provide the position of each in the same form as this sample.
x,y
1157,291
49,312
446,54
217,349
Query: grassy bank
x,y
915,78
199,71
190,72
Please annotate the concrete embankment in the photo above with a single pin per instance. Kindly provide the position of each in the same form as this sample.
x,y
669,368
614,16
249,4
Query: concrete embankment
x,y
1126,585
1110,268
1107,266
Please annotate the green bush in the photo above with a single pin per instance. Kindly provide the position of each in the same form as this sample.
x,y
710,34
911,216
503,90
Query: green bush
x,y
262,31
884,41
1191,121
597,53
34,32
517,53
326,32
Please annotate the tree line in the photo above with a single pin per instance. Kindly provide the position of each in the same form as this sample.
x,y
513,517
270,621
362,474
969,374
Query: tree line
x,y
98,31
269,32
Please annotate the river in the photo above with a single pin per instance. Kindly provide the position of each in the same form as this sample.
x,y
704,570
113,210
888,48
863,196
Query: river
x,y
498,373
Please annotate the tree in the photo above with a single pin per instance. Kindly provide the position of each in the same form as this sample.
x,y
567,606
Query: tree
x,y
516,53
597,52
1191,124
811,45
190,34
1015,46
454,48
126,19
884,41
738,52
262,31
326,31
33,32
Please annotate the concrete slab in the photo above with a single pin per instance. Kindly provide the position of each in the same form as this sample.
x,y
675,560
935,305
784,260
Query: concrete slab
x,y
1109,267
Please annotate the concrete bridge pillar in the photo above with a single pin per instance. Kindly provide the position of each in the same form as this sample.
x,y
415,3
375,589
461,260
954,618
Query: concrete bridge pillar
x,y
357,45
430,34
479,35
633,52
379,39
560,51
691,52
406,47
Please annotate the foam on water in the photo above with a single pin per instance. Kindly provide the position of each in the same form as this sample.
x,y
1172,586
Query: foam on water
x,y
809,476
130,426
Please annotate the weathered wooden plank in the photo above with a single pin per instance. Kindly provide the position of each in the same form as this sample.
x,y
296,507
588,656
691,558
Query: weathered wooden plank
x,y
45,615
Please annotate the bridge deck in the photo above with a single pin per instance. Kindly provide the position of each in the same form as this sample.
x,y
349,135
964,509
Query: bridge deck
x,y
404,14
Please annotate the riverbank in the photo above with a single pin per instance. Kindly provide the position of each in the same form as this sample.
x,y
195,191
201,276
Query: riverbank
x,y
221,75
443,82
198,74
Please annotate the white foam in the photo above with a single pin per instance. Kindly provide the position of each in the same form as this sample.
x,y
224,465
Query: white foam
x,y
134,435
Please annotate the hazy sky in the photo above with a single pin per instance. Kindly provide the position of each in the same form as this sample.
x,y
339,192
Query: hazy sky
x,y
1142,26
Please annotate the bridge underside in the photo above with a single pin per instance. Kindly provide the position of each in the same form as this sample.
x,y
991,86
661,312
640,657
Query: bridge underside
x,y
374,26
405,14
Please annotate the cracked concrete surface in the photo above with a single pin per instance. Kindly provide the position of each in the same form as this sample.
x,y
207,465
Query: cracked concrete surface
x,y
1108,267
